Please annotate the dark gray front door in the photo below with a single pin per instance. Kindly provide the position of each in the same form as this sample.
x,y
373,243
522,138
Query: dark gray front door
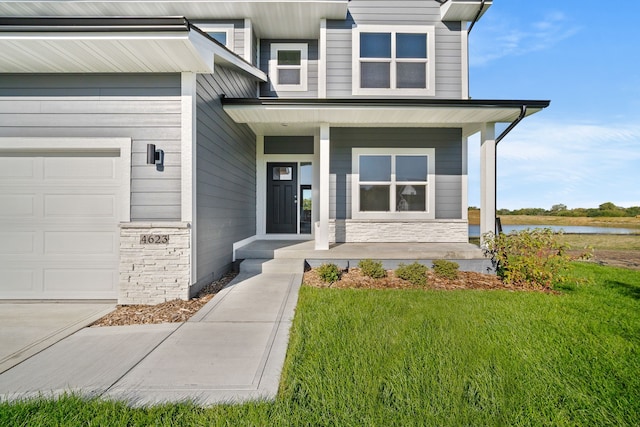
x,y
282,198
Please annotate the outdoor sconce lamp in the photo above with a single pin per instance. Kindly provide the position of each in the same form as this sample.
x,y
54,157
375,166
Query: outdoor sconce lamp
x,y
155,157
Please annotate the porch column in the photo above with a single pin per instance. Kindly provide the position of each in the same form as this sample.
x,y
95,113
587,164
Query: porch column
x,y
488,178
322,231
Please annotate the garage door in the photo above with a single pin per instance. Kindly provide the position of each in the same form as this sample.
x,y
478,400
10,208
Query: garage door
x,y
59,215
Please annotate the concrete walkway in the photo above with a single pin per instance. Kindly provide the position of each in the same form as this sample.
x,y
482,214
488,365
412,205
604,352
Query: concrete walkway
x,y
232,350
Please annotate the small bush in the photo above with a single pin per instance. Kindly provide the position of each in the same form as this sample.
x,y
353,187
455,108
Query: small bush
x,y
372,268
329,273
446,269
530,258
415,273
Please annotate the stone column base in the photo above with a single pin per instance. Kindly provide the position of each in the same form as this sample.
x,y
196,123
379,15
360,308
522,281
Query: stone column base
x,y
155,262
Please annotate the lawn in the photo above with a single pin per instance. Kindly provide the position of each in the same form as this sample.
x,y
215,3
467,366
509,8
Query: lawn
x,y
413,357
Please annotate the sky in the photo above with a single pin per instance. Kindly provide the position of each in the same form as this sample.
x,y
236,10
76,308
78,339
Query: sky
x,y
584,56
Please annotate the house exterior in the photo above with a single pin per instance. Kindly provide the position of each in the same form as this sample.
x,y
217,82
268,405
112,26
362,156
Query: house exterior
x,y
332,121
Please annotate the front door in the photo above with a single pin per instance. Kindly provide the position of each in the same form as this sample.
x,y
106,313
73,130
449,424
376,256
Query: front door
x,y
282,198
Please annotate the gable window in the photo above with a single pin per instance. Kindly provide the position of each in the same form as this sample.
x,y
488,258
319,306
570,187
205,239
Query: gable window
x,y
393,183
222,33
393,60
288,66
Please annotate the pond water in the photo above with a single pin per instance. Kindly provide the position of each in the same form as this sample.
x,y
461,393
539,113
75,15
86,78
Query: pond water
x,y
474,230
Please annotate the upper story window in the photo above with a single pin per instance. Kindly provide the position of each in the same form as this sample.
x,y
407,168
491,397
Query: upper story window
x,y
288,66
393,183
393,60
222,33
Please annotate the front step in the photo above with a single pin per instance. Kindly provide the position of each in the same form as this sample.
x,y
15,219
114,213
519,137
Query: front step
x,y
262,265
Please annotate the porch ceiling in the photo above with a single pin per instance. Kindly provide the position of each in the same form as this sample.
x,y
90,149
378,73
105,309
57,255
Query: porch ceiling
x,y
282,116
302,17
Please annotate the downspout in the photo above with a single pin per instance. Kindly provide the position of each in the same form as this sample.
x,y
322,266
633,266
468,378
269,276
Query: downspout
x,y
523,113
477,16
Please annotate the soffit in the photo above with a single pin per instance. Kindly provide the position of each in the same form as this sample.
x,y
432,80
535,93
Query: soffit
x,y
463,10
113,51
269,18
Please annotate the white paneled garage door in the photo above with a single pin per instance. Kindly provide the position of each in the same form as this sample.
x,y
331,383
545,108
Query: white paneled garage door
x,y
59,215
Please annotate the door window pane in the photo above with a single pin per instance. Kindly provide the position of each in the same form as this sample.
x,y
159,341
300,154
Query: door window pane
x,y
411,168
411,198
375,45
375,75
289,57
288,77
375,168
411,75
374,198
282,173
411,45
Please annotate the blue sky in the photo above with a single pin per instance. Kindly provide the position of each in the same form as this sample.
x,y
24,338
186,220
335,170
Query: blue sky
x,y
584,56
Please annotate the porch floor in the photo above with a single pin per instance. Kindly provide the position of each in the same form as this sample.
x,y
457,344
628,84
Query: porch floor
x,y
469,256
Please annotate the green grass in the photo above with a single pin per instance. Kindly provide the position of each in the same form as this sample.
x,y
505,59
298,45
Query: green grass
x,y
359,357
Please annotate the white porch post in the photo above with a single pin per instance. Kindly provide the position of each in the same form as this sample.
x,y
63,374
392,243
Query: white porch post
x,y
487,178
322,232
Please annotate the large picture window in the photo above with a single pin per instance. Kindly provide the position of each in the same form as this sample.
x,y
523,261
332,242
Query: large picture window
x,y
393,60
288,66
394,183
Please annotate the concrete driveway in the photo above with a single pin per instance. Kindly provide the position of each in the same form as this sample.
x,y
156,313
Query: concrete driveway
x,y
27,328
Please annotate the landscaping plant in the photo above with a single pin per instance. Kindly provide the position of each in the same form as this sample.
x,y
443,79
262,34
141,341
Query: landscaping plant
x,y
330,273
533,258
445,268
372,268
415,273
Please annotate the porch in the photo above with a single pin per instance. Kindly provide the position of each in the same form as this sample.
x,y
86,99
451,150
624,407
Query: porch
x,y
470,257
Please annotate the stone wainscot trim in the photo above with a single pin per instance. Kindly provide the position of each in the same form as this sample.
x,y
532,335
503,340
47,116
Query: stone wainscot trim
x,y
153,273
398,231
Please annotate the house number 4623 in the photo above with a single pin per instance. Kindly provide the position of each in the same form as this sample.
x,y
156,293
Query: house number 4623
x,y
154,239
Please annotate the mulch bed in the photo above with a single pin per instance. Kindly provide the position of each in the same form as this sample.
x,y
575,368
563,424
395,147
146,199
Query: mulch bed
x,y
354,279
167,312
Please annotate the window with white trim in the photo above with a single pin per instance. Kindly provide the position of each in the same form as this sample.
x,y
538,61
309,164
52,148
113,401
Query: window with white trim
x,y
393,60
222,33
393,183
288,66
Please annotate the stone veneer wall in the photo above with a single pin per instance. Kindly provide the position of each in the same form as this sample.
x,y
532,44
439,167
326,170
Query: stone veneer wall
x,y
380,231
153,273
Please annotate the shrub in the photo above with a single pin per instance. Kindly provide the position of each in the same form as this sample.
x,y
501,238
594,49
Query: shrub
x,y
372,268
415,273
329,273
530,258
446,269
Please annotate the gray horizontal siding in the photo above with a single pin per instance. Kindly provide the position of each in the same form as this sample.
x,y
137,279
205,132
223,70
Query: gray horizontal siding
x,y
288,145
448,147
145,108
226,174
312,70
448,55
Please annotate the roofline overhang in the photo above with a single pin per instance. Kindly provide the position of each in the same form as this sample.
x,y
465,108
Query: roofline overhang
x,y
388,102
265,115
22,38
266,16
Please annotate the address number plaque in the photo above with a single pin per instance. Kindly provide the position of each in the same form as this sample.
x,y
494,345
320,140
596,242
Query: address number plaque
x,y
154,239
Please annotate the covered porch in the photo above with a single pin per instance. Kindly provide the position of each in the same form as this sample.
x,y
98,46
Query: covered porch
x,y
397,120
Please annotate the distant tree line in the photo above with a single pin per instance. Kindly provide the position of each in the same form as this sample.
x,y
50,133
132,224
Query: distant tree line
x,y
606,210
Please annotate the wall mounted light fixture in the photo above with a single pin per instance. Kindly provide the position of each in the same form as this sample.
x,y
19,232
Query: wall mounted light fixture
x,y
155,157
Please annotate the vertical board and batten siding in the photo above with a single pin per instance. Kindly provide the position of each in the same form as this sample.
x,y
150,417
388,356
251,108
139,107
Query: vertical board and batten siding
x,y
143,107
312,70
448,146
226,174
448,55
